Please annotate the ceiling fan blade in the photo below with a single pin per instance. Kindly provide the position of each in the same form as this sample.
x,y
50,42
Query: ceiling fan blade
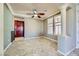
x,y
32,16
41,13
39,17
29,13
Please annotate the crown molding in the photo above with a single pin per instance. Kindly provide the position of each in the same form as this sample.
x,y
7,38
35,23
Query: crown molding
x,y
10,8
15,14
22,15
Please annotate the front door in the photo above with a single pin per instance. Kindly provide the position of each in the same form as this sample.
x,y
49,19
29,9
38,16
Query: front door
x,y
19,28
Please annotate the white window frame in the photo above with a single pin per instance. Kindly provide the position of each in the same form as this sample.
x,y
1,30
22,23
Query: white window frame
x,y
50,26
57,23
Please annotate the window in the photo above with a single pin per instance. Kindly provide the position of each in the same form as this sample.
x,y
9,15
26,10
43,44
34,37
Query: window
x,y
57,23
50,25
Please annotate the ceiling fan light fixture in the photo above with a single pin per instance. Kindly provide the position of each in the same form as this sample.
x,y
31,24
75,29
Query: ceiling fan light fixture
x,y
35,11
35,15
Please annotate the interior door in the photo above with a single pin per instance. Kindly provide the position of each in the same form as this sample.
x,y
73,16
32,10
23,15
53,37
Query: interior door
x,y
19,28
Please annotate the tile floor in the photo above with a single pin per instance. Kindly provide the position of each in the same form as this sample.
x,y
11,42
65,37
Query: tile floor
x,y
35,47
32,47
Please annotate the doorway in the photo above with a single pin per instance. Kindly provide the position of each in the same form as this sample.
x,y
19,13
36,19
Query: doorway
x,y
19,28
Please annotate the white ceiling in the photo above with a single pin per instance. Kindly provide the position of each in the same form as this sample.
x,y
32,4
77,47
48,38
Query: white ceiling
x,y
23,8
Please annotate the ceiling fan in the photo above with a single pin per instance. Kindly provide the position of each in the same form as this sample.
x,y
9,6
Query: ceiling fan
x,y
36,14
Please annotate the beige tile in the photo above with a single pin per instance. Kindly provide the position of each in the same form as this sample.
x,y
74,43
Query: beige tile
x,y
32,47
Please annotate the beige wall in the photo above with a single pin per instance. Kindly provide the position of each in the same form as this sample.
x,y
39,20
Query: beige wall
x,y
1,29
33,27
45,27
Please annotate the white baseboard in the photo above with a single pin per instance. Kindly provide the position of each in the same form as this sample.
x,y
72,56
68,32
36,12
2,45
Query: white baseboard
x,y
66,54
7,47
61,52
50,38
32,38
41,36
1,52
70,51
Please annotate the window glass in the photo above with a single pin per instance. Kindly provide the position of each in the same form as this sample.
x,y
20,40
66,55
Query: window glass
x,y
50,25
57,23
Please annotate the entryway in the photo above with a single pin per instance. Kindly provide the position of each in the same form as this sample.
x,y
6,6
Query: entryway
x,y
19,29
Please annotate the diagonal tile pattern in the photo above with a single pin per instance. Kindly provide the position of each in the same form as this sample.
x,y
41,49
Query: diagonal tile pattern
x,y
32,47
35,47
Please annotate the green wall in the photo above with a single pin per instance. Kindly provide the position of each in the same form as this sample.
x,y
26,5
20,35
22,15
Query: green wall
x,y
1,29
7,26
